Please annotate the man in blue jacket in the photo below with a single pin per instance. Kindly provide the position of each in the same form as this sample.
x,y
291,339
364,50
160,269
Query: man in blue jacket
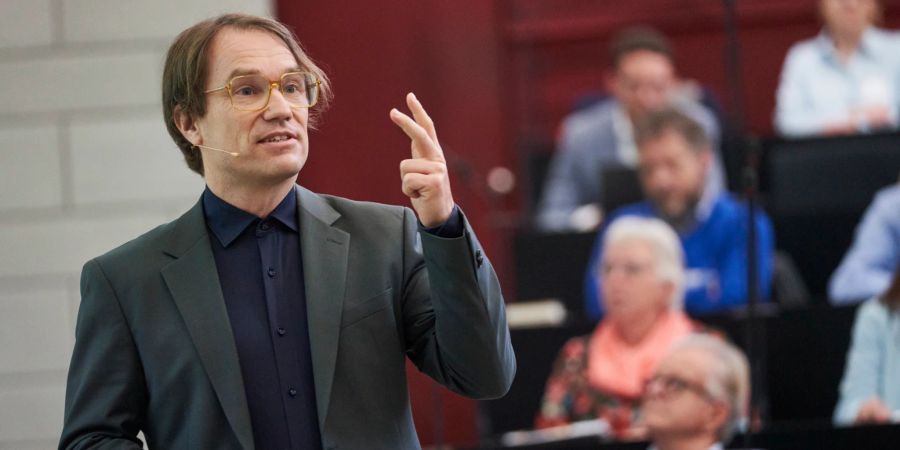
x,y
674,158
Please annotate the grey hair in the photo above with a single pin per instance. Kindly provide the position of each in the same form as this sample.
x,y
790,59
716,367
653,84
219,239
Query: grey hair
x,y
728,381
668,254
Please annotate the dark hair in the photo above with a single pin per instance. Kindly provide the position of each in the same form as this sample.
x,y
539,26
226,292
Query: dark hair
x,y
656,123
636,39
186,69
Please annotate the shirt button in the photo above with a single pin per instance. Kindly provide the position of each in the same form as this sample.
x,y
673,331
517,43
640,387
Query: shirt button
x,y
292,392
264,226
281,331
271,272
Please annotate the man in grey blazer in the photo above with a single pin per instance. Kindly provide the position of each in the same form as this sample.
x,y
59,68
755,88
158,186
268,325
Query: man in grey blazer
x,y
269,316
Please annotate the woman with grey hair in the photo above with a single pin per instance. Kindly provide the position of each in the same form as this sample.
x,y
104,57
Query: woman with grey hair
x,y
602,375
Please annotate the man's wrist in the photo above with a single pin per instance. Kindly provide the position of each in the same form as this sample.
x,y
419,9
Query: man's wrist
x,y
451,228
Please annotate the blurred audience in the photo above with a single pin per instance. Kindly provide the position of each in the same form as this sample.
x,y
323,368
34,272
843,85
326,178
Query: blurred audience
x,y
874,256
846,79
602,375
641,79
674,160
870,389
698,396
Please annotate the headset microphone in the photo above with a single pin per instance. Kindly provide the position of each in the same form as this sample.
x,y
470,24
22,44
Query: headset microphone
x,y
218,150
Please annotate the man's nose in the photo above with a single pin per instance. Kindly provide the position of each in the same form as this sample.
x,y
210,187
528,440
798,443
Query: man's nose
x,y
658,179
278,107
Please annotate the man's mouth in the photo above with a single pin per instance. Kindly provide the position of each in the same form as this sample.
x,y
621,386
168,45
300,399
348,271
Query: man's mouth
x,y
276,139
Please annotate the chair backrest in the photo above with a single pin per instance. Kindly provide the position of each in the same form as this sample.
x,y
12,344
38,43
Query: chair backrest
x,y
620,186
817,192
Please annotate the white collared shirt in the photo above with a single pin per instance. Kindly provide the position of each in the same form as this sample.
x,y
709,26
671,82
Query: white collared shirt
x,y
817,89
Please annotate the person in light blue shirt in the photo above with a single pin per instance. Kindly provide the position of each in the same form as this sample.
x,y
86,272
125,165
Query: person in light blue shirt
x,y
642,79
870,388
713,227
874,256
845,80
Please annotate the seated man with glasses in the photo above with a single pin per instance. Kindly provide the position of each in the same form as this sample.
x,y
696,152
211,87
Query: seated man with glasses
x,y
698,396
269,316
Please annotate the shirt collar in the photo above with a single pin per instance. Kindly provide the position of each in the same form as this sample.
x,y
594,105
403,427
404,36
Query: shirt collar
x,y
624,133
227,222
699,212
867,43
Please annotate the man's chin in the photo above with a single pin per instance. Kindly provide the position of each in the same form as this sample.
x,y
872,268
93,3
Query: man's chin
x,y
670,212
673,213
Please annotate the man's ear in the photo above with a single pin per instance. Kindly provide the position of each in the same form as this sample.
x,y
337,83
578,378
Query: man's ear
x,y
186,125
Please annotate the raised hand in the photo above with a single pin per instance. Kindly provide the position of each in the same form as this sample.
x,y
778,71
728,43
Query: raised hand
x,y
424,176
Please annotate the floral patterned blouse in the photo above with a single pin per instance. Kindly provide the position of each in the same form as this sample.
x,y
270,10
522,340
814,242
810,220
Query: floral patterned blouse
x,y
569,397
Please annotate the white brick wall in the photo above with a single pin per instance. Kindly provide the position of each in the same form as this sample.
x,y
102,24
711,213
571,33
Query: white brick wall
x,y
88,81
42,324
127,159
106,20
30,153
25,23
85,165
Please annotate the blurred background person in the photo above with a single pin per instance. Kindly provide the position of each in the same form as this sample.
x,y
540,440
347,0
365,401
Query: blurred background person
x,y
641,79
675,157
698,396
845,80
870,388
874,256
602,375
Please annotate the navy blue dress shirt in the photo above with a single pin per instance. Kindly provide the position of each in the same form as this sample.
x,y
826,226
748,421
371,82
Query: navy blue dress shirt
x,y
261,274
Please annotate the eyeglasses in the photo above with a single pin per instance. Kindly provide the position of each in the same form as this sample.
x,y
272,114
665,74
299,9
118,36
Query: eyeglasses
x,y
252,92
667,385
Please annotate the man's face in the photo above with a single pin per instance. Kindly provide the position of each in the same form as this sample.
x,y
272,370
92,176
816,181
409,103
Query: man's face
x,y
676,402
642,82
672,173
632,289
848,17
262,160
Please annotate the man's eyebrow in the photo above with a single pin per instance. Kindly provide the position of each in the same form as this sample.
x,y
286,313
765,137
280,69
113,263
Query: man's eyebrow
x,y
240,71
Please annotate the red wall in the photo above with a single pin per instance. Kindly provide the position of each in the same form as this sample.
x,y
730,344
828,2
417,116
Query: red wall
x,y
493,74
559,47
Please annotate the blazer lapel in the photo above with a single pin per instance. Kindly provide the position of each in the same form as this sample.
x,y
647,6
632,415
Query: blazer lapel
x,y
324,250
194,283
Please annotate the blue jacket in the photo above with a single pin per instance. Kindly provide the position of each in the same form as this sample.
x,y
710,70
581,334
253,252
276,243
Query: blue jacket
x,y
715,253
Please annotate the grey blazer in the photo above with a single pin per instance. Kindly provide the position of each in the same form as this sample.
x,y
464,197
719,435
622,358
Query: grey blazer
x,y
154,350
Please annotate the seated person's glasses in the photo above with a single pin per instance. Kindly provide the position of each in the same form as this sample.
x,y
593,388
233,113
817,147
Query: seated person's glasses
x,y
252,92
668,385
